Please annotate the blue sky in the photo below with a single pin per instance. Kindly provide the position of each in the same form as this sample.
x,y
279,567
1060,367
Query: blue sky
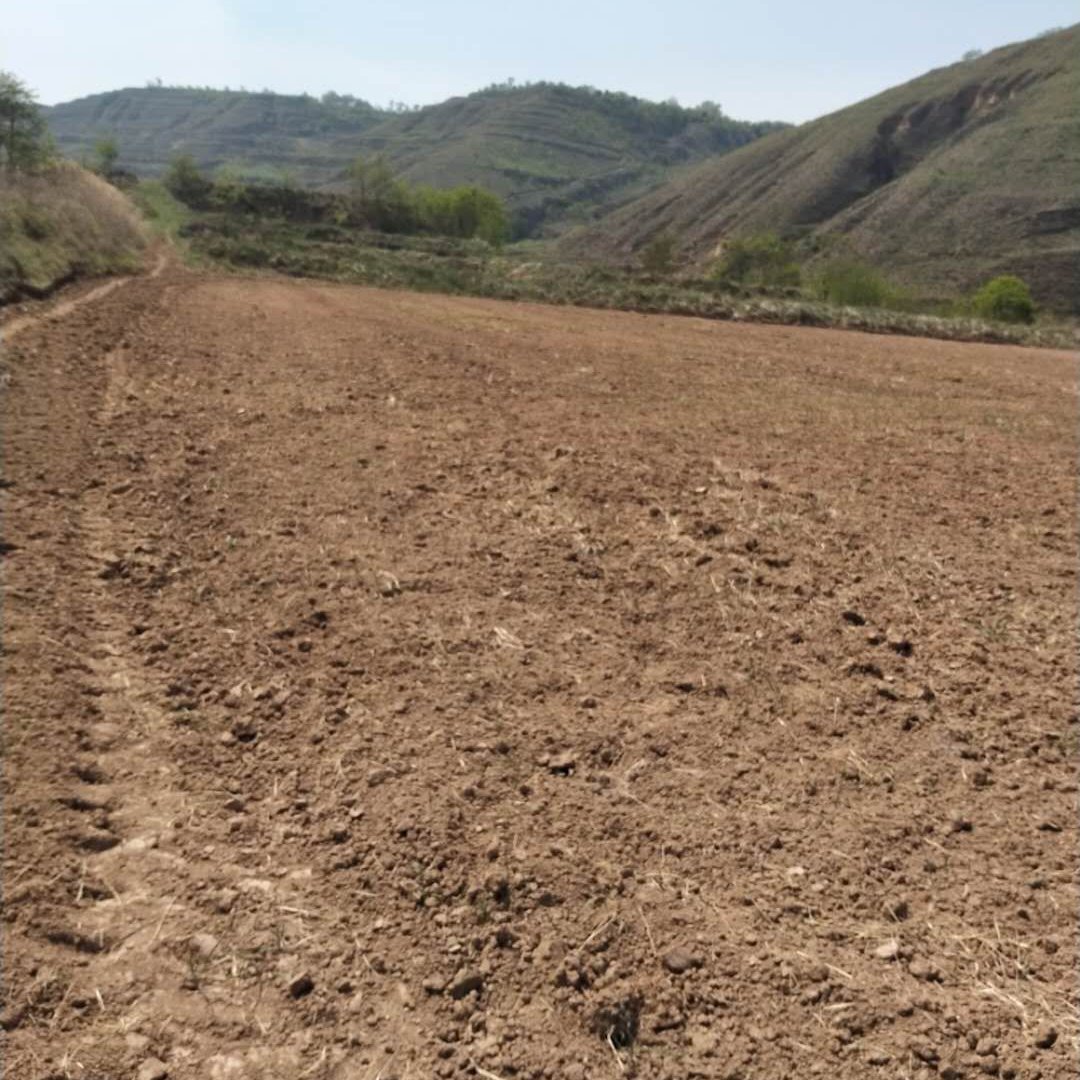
x,y
761,59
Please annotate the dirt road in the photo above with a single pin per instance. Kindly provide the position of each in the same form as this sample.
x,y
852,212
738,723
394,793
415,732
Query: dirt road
x,y
404,686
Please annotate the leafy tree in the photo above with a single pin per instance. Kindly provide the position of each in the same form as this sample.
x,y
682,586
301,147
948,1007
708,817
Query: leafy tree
x,y
378,199
106,155
1006,298
23,139
971,54
184,179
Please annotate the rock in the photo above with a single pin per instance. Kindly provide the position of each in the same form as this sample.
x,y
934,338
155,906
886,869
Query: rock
x,y
153,1069
136,1042
379,776
853,618
301,986
1045,1037
960,824
680,960
986,1047
202,944
464,983
890,950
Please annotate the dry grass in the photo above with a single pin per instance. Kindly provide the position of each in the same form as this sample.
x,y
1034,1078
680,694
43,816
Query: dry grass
x,y
60,223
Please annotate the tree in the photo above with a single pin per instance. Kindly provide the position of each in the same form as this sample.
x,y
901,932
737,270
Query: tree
x,y
106,155
23,139
187,183
378,199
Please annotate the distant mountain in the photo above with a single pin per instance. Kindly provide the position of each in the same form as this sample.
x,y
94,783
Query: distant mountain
x,y
968,171
555,153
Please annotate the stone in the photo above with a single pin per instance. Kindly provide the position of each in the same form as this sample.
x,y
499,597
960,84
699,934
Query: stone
x,y
465,982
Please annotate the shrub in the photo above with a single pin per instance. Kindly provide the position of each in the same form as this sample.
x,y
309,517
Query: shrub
x,y
759,260
1005,298
853,284
187,183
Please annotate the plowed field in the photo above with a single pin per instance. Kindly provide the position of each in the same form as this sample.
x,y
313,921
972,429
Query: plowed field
x,y
402,687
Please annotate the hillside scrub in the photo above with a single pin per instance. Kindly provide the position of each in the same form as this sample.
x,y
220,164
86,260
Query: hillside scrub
x,y
62,222
852,284
764,260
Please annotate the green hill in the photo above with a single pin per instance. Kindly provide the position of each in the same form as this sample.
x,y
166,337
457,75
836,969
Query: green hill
x,y
266,133
555,153
968,171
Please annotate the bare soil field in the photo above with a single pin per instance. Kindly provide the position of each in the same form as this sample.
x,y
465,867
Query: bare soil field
x,y
400,687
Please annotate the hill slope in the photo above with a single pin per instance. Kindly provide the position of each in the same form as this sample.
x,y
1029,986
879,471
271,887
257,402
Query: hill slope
x,y
62,223
262,131
967,171
553,152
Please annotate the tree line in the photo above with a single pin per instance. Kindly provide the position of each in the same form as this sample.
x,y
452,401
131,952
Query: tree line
x,y
375,199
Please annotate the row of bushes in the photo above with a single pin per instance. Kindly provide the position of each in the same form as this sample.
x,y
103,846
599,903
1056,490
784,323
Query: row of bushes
x,y
376,199
769,263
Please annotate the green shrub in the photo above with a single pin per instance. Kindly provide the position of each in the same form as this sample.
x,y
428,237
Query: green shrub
x,y
759,260
185,181
1005,298
853,284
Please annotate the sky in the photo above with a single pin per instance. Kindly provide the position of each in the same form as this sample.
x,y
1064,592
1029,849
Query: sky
x,y
760,59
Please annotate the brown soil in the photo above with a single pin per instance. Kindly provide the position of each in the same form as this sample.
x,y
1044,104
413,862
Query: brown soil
x,y
403,686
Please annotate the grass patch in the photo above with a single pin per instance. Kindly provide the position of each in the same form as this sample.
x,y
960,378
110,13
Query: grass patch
x,y
60,223
165,214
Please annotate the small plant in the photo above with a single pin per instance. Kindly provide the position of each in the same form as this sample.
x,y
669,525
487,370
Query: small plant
x,y
853,284
1006,299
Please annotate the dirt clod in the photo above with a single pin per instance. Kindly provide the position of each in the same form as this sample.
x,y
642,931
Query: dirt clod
x,y
153,1069
680,960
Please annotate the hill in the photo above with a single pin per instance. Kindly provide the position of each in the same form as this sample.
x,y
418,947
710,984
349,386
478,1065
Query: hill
x,y
265,133
968,171
555,153
62,223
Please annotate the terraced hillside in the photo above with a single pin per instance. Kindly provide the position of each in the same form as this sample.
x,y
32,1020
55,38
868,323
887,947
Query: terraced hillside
x,y
556,153
968,171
